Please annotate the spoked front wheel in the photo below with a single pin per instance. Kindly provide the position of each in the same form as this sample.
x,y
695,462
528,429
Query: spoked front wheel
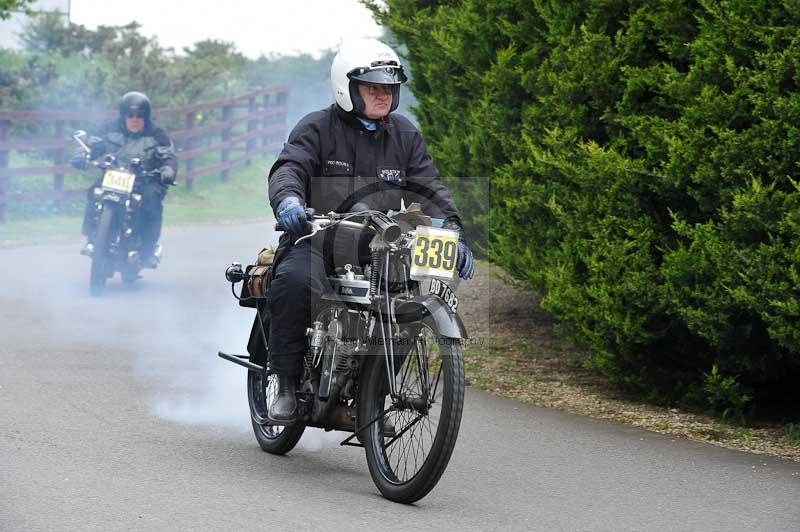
x,y
413,434
262,391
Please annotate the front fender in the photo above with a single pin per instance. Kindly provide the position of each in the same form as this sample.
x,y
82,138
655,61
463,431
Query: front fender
x,y
431,310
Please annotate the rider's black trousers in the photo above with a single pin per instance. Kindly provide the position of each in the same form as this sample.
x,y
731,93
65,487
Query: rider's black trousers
x,y
296,283
148,220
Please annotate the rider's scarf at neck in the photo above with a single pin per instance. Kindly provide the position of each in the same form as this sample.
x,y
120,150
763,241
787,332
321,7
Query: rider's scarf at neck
x,y
369,125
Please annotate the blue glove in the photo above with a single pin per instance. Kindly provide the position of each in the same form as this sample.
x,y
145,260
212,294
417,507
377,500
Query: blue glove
x,y
466,265
292,216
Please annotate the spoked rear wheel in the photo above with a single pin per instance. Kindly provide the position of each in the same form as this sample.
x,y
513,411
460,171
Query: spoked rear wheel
x,y
261,393
407,458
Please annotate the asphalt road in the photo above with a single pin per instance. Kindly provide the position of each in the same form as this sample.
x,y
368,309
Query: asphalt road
x,y
116,414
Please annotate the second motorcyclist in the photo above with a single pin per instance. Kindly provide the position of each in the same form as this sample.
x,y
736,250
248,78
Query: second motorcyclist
x,y
132,135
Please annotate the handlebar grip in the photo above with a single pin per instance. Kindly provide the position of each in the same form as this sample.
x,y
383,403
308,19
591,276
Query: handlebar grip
x,y
389,230
309,214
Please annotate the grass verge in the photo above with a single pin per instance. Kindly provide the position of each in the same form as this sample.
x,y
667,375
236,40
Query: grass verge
x,y
513,352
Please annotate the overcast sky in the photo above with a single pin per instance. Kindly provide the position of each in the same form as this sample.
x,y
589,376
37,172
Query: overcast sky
x,y
255,26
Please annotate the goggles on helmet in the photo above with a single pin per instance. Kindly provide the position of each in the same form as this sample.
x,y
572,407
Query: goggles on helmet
x,y
381,72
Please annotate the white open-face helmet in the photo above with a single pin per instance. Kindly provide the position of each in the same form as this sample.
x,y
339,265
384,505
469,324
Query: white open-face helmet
x,y
365,60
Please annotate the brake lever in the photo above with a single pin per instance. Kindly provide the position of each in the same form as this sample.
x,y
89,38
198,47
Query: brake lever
x,y
315,229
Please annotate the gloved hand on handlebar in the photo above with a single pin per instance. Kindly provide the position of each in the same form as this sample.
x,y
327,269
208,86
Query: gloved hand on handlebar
x,y
79,161
167,175
292,216
466,263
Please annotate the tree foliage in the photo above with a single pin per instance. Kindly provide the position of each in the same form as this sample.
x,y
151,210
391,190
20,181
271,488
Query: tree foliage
x,y
65,65
7,6
644,160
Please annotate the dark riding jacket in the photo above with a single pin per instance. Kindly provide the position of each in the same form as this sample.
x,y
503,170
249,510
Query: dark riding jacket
x,y
331,162
152,145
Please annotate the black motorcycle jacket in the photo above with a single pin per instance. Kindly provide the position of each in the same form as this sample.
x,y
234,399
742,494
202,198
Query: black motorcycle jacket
x,y
152,145
331,162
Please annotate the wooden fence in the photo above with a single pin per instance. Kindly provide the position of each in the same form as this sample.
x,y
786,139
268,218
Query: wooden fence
x,y
238,129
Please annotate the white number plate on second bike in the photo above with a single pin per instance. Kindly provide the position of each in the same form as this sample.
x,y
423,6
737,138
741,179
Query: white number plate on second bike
x,y
435,253
119,181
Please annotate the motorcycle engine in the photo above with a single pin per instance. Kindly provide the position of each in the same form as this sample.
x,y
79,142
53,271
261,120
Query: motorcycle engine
x,y
331,361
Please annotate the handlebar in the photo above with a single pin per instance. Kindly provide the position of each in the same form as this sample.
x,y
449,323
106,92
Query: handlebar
x,y
108,161
78,136
320,222
375,221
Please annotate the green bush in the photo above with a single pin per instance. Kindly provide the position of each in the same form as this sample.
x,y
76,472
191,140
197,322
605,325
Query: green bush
x,y
643,159
724,395
792,431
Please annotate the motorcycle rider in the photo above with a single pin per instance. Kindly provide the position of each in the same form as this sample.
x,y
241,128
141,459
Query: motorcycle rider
x,y
133,135
351,155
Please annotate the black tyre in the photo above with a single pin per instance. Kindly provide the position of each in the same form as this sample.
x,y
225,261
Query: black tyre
x,y
130,275
261,392
408,448
100,259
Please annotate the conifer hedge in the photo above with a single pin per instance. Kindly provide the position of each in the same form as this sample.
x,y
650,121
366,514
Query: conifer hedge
x,y
644,164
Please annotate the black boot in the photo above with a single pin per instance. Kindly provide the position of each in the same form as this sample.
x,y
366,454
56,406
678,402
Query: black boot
x,y
151,256
284,410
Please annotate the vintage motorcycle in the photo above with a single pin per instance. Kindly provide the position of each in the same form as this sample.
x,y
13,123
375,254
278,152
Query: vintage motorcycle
x,y
384,358
116,207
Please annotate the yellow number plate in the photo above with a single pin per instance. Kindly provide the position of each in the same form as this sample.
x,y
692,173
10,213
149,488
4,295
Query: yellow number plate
x,y
435,253
119,181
